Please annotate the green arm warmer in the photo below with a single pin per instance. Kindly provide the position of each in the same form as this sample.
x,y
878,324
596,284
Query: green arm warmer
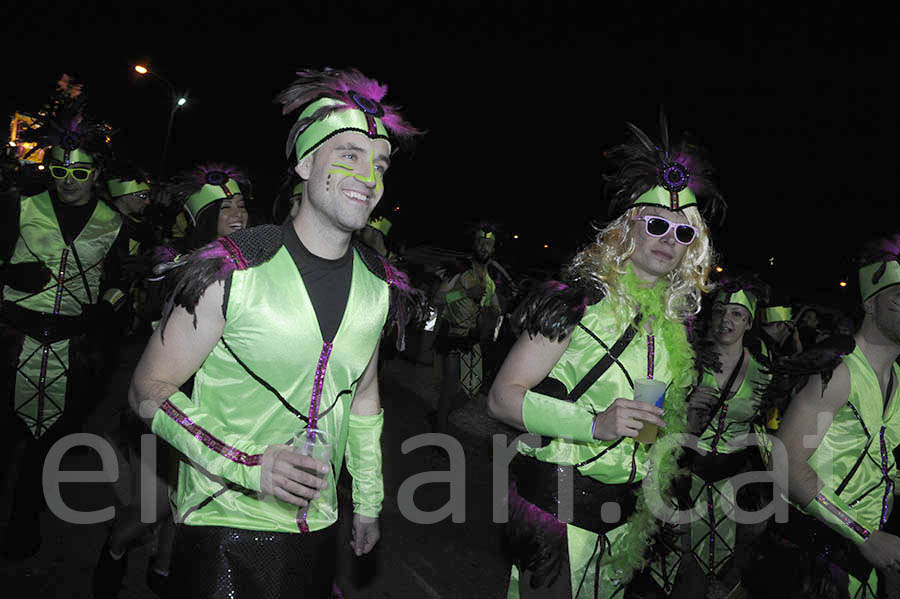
x,y
543,415
364,463
837,515
206,441
454,296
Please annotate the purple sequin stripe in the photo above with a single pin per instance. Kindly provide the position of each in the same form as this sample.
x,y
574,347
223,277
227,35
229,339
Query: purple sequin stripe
x,y
220,447
889,486
236,255
651,355
850,522
318,383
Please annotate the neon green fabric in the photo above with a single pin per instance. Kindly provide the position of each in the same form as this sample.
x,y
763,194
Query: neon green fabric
x,y
287,356
454,296
364,463
740,298
349,119
208,441
207,195
70,156
42,369
714,531
658,196
551,417
381,224
40,237
864,498
672,363
118,188
891,276
777,314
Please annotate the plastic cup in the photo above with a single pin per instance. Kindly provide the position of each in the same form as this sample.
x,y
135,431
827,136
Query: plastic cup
x,y
315,443
653,392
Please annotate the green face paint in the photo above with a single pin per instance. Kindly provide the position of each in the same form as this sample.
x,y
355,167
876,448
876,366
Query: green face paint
x,y
374,176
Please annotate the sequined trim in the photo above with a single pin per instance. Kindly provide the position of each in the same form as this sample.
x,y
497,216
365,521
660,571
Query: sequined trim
x,y
220,447
889,483
318,383
850,522
236,255
651,355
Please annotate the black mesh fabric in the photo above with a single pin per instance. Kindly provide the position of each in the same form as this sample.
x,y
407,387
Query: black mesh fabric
x,y
258,244
217,563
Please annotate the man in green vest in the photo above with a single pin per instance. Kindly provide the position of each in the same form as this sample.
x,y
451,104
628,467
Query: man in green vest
x,y
60,282
280,327
840,431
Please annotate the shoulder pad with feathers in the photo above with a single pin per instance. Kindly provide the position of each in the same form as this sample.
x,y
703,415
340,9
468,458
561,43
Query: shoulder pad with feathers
x,y
552,309
790,373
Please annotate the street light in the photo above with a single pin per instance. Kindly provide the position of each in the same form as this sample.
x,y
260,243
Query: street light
x,y
176,100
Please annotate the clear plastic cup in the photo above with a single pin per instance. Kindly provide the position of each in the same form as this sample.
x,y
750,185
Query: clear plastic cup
x,y
315,443
653,392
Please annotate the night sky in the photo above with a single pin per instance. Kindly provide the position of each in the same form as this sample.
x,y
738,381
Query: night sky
x,y
520,100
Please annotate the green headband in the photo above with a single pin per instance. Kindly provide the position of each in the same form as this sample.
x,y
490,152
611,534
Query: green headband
x,y
659,196
338,121
486,234
207,195
118,188
740,298
890,277
381,224
70,156
777,314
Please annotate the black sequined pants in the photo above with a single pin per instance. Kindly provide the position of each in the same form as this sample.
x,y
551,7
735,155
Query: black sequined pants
x,y
217,563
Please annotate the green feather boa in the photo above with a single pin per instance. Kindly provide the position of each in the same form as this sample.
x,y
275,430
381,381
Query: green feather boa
x,y
628,556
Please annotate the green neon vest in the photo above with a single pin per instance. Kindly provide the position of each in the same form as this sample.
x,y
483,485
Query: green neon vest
x,y
855,457
41,239
272,327
739,411
615,466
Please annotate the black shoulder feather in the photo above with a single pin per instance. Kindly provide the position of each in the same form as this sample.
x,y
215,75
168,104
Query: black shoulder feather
x,y
552,309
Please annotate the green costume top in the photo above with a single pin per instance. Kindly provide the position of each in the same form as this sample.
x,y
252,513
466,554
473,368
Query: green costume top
x,y
622,460
737,415
461,312
270,372
855,459
40,239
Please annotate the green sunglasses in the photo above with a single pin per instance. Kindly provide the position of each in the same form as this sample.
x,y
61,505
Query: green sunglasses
x,y
79,173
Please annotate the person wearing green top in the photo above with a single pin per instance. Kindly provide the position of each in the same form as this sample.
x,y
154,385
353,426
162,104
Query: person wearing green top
x,y
569,379
281,325
841,430
724,407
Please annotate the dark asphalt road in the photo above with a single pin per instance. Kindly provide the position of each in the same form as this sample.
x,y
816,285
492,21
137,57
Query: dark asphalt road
x,y
444,559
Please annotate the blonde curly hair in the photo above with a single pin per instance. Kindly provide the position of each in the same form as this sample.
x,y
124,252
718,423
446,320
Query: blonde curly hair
x,y
603,263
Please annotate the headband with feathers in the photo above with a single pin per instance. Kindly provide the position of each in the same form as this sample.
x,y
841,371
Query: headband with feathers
x,y
673,177
63,126
879,266
339,100
203,185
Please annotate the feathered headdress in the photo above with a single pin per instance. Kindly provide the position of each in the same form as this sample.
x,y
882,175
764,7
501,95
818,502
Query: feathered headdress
x,y
651,174
879,266
63,126
205,184
336,101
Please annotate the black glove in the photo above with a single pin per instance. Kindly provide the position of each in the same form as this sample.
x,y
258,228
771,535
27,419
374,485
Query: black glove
x,y
29,277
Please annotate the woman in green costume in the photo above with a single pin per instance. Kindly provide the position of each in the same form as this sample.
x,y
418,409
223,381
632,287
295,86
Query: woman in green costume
x,y
570,379
724,408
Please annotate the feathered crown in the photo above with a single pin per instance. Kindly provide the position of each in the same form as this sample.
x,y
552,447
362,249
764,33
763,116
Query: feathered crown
x,y
336,101
879,266
205,184
63,126
651,174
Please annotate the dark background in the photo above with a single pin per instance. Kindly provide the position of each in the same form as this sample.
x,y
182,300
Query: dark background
x,y
520,100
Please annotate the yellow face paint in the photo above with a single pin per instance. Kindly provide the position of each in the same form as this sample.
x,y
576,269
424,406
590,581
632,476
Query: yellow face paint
x,y
373,176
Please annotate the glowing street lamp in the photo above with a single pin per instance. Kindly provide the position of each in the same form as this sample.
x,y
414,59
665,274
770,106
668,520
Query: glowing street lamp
x,y
719,269
177,100
843,283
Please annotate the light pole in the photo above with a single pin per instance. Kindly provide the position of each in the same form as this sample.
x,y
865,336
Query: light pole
x,y
175,101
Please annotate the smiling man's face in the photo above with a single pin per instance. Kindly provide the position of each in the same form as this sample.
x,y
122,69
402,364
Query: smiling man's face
x,y
656,257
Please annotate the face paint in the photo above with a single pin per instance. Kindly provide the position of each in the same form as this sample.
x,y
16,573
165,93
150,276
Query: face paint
x,y
373,176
